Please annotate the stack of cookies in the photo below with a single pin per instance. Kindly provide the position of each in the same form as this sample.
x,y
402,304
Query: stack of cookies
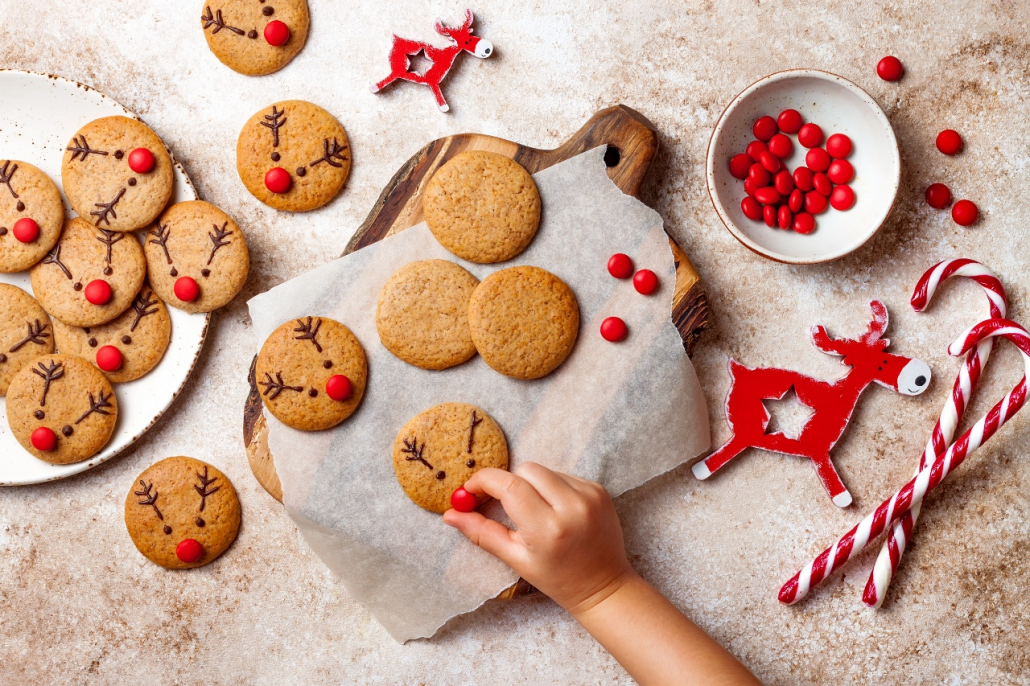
x,y
99,314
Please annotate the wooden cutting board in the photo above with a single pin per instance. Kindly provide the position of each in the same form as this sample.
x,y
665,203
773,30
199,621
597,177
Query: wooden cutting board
x,y
631,146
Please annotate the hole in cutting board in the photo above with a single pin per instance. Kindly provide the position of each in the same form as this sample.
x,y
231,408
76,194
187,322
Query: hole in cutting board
x,y
612,156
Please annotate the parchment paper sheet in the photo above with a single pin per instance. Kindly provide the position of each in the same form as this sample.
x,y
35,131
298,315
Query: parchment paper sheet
x,y
619,414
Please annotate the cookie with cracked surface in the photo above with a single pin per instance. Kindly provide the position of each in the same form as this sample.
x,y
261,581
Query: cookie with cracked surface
x,y
139,337
91,275
422,314
483,207
197,257
25,332
255,37
182,513
31,215
524,321
293,156
438,450
117,174
311,373
61,409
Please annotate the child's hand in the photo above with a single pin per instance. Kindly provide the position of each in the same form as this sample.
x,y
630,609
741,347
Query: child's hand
x,y
568,541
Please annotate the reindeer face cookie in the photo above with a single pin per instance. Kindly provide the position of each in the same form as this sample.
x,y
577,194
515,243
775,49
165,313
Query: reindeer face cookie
x,y
438,450
196,256
311,373
182,513
61,409
91,275
117,174
293,156
25,332
31,215
255,37
128,346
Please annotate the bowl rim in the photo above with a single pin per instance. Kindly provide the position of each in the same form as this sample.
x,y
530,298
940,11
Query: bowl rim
x,y
719,125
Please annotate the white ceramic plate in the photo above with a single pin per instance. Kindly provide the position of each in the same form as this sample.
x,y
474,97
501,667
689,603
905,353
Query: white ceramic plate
x,y
39,114
837,106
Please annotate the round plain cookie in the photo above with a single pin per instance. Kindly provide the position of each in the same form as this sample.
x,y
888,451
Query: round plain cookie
x,y
27,193
483,207
180,499
25,332
305,144
235,33
422,314
100,183
141,334
83,255
295,367
524,321
68,396
439,449
196,240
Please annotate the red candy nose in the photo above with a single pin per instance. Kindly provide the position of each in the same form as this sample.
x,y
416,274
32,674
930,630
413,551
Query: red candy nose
x,y
338,387
189,551
276,33
278,180
613,329
186,289
26,230
98,292
43,439
109,358
620,265
141,160
645,281
462,500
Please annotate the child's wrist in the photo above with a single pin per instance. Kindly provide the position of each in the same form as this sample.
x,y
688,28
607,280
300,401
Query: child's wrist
x,y
627,578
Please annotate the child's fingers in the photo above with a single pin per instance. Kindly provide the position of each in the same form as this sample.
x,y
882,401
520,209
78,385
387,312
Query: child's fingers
x,y
491,536
520,500
550,485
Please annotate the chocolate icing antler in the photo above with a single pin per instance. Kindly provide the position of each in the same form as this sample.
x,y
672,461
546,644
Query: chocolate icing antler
x,y
473,423
159,236
6,176
54,257
37,334
142,304
216,239
106,208
217,21
149,497
275,120
202,488
81,148
414,451
100,406
308,333
276,386
109,238
49,374
333,152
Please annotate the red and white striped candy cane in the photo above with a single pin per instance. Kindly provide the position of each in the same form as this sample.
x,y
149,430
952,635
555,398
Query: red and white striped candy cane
x,y
912,493
898,535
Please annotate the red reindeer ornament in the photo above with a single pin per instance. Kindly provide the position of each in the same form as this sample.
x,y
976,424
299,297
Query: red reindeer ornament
x,y
441,59
832,402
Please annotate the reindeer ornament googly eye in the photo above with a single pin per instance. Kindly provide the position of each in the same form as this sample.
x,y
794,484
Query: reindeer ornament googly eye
x,y
182,513
255,37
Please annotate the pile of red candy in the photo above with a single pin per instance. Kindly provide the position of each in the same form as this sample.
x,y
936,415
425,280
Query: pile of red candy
x,y
791,200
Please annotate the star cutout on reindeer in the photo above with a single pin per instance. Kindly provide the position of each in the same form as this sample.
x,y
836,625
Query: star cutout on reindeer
x,y
787,415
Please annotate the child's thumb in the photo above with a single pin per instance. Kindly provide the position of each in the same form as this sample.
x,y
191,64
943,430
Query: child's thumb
x,y
491,536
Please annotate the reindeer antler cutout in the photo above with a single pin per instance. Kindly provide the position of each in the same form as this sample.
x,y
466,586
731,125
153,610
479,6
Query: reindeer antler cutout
x,y
414,451
217,21
54,257
6,174
99,405
274,121
159,236
109,238
49,373
308,332
149,497
276,386
106,210
202,489
333,154
473,423
142,304
80,149
217,239
37,334
878,324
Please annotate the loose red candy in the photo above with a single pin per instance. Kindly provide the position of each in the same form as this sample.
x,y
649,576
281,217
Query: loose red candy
x,y
645,281
964,213
770,161
109,358
750,187
769,216
949,142
784,182
889,68
804,222
840,171
781,146
765,128
810,135
822,185
803,178
43,439
186,289
613,329
98,292
938,196
767,195
338,387
755,149
189,551
817,159
784,217
620,266
751,208
815,203
25,230
838,145
278,180
790,121
842,198
759,175
141,160
796,201
739,166
276,33
462,500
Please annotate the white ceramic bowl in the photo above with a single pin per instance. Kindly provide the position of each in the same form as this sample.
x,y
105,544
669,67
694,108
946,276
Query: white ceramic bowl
x,y
837,106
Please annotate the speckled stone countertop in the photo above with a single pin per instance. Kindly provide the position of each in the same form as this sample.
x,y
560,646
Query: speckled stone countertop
x,y
78,604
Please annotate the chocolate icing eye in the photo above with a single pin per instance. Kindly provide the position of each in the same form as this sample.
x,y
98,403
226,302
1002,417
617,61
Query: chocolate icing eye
x,y
200,522
167,529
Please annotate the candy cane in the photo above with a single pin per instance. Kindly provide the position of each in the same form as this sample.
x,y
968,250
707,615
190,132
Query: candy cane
x,y
976,359
912,493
